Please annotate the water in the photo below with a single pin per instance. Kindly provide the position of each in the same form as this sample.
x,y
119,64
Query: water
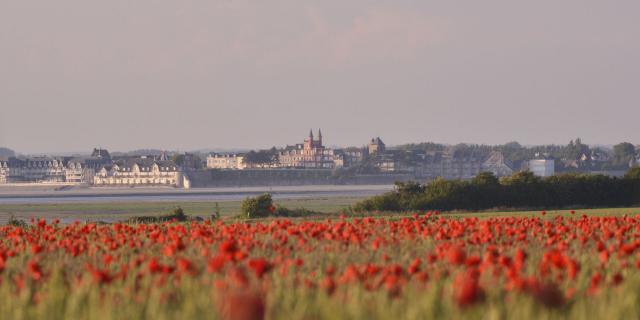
x,y
193,195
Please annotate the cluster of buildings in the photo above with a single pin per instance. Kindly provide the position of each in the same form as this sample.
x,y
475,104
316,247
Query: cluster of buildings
x,y
308,155
312,154
98,169
101,169
431,165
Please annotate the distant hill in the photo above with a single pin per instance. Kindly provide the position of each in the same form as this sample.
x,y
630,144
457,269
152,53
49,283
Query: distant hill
x,y
6,152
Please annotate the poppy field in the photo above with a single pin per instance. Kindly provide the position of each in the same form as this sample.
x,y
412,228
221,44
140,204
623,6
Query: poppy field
x,y
414,267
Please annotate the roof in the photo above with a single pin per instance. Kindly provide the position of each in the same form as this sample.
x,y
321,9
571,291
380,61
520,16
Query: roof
x,y
226,155
145,164
497,158
100,153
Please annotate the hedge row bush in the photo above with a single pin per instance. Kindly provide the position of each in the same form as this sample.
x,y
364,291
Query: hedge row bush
x,y
520,190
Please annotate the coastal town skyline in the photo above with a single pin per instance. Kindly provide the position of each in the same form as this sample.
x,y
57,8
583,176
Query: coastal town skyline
x,y
285,143
410,161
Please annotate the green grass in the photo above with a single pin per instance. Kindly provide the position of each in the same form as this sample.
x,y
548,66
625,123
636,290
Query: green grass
x,y
122,211
125,210
549,213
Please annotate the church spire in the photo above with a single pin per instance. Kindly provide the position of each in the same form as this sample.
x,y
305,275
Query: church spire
x,y
311,134
319,137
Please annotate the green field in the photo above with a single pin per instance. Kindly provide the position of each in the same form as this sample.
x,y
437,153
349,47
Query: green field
x,y
115,211
549,213
124,210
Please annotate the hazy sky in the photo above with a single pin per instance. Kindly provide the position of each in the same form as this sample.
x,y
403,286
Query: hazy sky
x,y
184,75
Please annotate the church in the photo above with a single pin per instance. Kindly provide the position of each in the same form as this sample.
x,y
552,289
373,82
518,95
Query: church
x,y
309,155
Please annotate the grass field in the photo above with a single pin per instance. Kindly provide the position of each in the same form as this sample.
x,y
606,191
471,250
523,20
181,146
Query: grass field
x,y
122,210
117,211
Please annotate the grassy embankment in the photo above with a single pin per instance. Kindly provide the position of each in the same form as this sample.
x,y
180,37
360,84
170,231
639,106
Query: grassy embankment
x,y
120,211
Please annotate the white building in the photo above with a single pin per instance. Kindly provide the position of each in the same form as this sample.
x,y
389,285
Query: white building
x,y
226,161
67,170
542,167
139,171
77,172
33,170
4,171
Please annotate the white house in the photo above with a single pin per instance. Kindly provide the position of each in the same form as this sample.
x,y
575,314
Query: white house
x,y
226,161
542,167
140,171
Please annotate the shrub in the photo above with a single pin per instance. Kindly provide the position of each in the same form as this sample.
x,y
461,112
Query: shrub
x,y
216,214
281,211
260,206
385,202
633,173
520,190
177,215
13,221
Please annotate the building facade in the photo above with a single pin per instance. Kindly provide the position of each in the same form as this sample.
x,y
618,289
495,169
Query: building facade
x,y
542,167
98,169
449,168
226,161
312,154
376,146
443,164
497,164
4,171
35,170
349,157
83,169
73,170
139,172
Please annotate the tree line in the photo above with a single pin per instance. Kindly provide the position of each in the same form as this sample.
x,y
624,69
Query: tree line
x,y
618,157
520,190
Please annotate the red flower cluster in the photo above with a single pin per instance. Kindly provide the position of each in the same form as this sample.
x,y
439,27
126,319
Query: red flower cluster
x,y
532,256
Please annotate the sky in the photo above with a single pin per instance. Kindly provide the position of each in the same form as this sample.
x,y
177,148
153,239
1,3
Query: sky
x,y
207,74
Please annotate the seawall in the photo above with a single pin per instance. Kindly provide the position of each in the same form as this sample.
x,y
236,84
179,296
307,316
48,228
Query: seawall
x,y
286,177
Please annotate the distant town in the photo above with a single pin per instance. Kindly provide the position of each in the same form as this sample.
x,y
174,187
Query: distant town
x,y
311,162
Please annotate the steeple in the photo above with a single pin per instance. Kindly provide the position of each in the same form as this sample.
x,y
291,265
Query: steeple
x,y
319,137
311,134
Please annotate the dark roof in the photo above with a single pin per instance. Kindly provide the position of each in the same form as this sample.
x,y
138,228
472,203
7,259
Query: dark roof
x,y
100,153
377,140
31,162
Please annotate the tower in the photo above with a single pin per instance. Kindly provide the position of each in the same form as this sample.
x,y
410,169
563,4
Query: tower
x,y
319,138
308,143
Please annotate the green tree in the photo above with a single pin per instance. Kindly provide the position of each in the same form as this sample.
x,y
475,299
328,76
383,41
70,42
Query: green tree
x,y
633,173
261,158
409,187
574,150
623,152
260,206
522,177
485,178
178,159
